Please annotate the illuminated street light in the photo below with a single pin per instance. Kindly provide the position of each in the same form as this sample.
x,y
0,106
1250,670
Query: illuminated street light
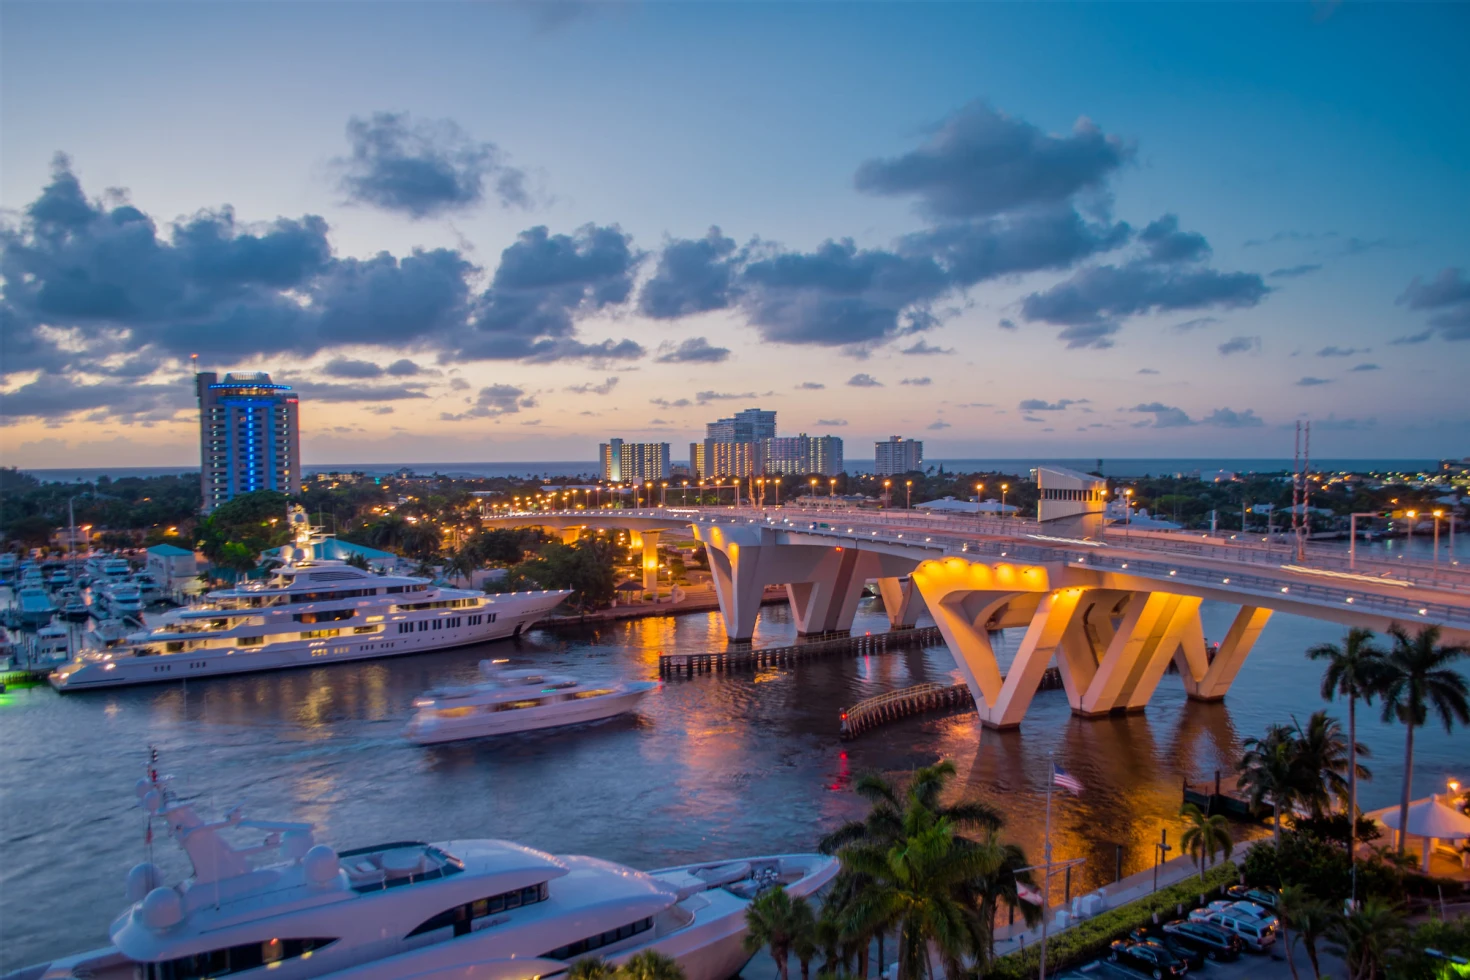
x,y
1003,488
908,500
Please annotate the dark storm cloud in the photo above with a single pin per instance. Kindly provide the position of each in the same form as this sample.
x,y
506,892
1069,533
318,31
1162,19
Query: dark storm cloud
x,y
982,162
53,396
695,350
1447,298
423,168
1166,243
693,276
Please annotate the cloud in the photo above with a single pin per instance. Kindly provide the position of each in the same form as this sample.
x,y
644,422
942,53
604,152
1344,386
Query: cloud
x,y
694,350
1031,418
1196,323
53,397
917,382
1042,405
1166,243
346,367
1334,351
591,389
810,386
380,409
920,348
1365,367
493,402
1289,236
864,381
322,391
937,424
1237,345
1311,382
1006,323
85,282
1228,419
1447,297
403,368
1416,338
1334,424
1147,371
1165,416
720,396
665,403
1293,271
981,162
692,276
423,168
834,423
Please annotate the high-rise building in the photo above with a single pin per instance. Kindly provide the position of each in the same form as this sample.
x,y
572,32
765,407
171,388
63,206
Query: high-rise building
x,y
802,454
696,460
898,455
249,436
751,425
740,459
634,461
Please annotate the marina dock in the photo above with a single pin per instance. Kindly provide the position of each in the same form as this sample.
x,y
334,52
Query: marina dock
x,y
917,700
747,657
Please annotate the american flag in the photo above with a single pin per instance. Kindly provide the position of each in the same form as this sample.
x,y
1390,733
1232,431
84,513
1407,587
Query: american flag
x,y
1065,780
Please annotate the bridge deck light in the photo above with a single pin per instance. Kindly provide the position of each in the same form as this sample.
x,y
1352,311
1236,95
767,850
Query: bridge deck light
x,y
1226,581
1349,598
1283,588
1125,564
1173,572
1424,612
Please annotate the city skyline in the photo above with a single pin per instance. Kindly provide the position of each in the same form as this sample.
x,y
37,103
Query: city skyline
x,y
1022,243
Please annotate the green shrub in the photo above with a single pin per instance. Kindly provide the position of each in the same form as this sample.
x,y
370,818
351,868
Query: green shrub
x,y
1090,938
1450,938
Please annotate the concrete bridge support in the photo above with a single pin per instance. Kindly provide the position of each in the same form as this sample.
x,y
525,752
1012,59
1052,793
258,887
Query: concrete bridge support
x,y
568,534
1205,681
902,602
650,561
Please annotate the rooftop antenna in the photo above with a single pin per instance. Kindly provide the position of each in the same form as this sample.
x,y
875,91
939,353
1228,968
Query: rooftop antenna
x,y
194,362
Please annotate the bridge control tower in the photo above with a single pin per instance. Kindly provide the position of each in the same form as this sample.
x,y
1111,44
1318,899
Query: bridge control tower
x,y
1071,502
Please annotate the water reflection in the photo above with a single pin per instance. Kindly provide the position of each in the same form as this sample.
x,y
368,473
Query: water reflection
x,y
709,767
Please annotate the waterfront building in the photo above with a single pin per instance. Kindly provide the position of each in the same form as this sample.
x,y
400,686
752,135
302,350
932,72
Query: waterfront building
x,y
1069,498
898,455
697,467
740,459
751,425
634,461
802,454
249,436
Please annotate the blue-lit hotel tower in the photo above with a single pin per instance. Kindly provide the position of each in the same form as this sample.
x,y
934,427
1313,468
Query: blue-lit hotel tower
x,y
249,438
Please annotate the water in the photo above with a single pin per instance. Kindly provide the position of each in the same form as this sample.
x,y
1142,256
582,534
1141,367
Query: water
x,y
710,767
1118,468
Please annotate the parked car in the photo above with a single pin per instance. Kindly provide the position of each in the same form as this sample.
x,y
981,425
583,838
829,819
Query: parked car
x,y
1192,957
1261,896
1214,942
1258,935
1154,961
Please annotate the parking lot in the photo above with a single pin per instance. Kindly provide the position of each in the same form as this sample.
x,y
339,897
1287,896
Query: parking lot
x,y
1270,966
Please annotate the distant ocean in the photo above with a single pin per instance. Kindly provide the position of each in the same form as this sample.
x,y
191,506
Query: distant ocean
x,y
1122,468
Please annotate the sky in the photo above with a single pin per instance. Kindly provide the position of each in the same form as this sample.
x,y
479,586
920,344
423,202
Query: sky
x,y
509,231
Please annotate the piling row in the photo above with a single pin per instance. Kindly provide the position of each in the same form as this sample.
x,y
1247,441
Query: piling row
x,y
919,700
753,658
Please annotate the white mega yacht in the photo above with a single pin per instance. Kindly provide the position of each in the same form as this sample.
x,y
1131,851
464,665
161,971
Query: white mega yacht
x,y
508,701
308,611
470,909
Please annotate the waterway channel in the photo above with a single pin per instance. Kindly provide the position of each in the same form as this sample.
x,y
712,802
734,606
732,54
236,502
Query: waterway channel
x,y
711,766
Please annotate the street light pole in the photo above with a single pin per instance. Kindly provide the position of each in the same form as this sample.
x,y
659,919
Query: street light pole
x,y
1437,515
908,501
1353,536
1003,488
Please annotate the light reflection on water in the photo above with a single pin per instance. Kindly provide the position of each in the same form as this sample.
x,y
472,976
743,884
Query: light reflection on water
x,y
710,767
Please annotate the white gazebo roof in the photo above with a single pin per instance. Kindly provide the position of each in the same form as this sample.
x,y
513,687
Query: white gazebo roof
x,y
1431,818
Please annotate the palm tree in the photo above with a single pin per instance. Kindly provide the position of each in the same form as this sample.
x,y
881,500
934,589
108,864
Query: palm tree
x,y
1324,755
461,564
1204,837
772,921
804,935
1352,671
996,886
1367,938
650,965
1418,677
1297,908
1269,770
591,968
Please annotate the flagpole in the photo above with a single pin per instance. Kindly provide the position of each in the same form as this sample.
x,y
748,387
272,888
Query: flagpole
x,y
1051,778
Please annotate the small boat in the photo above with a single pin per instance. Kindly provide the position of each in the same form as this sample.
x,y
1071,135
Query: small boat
x,y
472,909
508,701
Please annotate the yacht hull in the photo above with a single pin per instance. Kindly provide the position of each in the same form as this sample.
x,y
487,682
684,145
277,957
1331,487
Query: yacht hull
x,y
482,724
219,662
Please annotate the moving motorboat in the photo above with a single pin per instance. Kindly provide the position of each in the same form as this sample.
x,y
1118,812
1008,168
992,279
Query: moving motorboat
x,y
507,701
308,611
479,909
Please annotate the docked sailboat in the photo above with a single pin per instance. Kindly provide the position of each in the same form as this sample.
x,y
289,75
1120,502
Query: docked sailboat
x,y
476,909
509,701
308,611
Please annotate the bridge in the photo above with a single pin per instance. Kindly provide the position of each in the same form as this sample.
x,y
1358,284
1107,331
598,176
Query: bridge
x,y
1112,609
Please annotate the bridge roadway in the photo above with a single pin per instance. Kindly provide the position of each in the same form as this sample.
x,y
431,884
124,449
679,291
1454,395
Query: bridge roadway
x,y
1111,612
